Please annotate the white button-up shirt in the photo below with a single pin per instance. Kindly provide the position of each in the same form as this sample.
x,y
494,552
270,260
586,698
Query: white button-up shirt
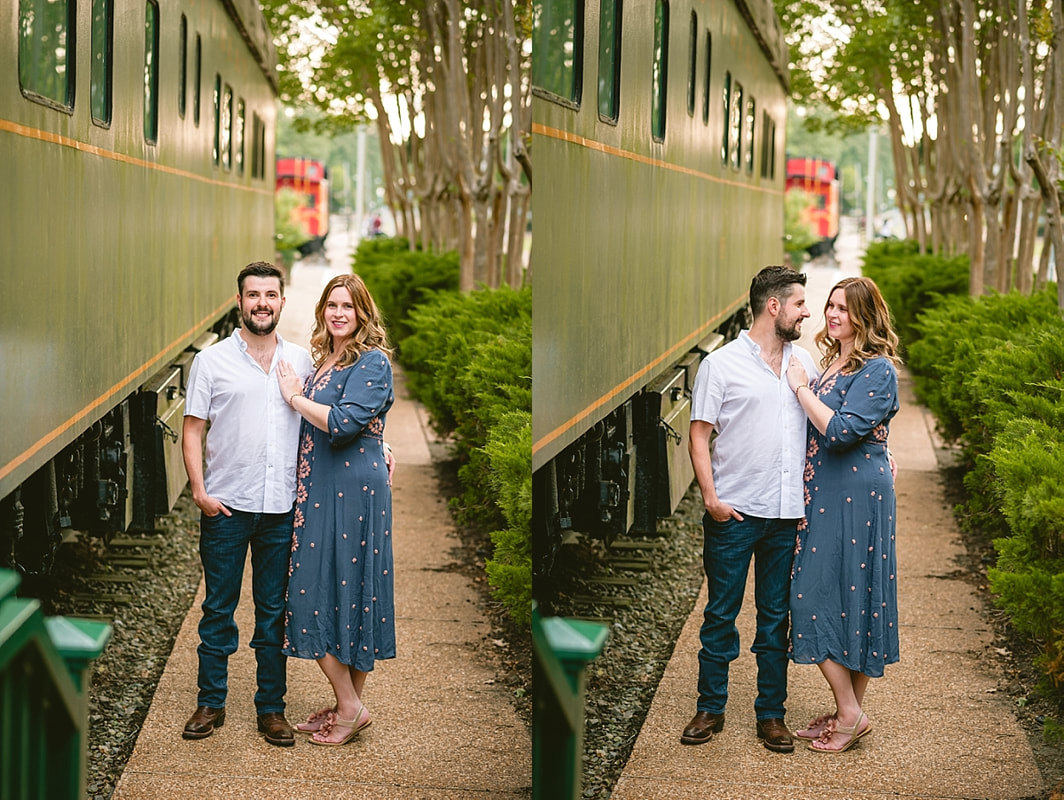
x,y
253,436
758,455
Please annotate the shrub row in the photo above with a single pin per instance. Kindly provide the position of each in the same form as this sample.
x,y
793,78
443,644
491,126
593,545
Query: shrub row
x,y
468,358
991,369
399,278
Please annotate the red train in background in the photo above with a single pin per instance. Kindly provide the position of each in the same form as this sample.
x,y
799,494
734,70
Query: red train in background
x,y
819,179
310,180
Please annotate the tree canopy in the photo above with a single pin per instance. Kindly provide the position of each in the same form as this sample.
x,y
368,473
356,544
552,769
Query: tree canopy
x,y
971,93
446,84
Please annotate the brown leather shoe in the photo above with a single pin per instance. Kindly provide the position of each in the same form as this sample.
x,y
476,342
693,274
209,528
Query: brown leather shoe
x,y
702,727
276,730
202,724
775,735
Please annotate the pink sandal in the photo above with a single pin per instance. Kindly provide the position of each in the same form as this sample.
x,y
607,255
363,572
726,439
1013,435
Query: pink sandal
x,y
833,728
814,728
315,721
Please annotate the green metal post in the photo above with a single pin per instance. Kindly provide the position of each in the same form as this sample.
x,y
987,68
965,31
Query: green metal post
x,y
561,651
44,684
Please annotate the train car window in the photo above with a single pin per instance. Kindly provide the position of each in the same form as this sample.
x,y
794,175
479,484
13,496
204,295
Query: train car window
x,y
735,126
726,97
772,153
609,72
182,67
558,49
660,74
226,133
255,125
766,128
692,71
748,134
151,71
705,89
197,81
239,135
216,151
100,82
46,51
261,144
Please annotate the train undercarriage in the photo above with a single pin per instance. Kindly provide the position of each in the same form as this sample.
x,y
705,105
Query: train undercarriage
x,y
629,470
119,475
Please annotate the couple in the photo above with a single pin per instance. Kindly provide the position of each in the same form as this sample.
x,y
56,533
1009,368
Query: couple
x,y
284,429
775,430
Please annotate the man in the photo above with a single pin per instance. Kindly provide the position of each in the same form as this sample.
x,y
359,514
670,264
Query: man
x,y
246,493
751,482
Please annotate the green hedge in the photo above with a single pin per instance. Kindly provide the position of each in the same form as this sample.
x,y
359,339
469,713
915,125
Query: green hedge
x,y
911,282
399,278
468,358
992,371
470,362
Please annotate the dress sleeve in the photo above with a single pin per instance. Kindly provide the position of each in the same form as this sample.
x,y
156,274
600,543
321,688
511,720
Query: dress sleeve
x,y
870,400
368,392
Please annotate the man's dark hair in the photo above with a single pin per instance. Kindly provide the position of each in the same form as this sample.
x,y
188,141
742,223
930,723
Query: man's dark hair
x,y
775,282
262,269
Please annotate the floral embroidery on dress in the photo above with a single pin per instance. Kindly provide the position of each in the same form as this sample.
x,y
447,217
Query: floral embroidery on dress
x,y
375,426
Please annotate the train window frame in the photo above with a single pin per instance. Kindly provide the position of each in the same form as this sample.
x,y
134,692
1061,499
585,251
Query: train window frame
x,y
574,97
65,103
612,110
659,75
225,128
261,144
766,125
735,127
182,67
151,71
692,66
749,124
102,48
706,96
256,123
772,152
216,150
197,85
726,99
239,122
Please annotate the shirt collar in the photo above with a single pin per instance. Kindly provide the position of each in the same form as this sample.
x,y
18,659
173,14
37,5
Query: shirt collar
x,y
243,345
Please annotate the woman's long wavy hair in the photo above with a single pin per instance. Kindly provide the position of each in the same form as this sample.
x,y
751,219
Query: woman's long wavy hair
x,y
870,319
369,330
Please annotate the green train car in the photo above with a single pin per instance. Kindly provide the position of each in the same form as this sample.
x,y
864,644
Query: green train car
x,y
136,148
658,131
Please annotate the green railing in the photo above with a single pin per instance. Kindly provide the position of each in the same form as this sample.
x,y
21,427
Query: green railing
x,y
561,651
44,689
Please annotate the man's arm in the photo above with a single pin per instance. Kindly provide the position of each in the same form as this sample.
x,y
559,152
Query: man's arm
x,y
698,446
192,432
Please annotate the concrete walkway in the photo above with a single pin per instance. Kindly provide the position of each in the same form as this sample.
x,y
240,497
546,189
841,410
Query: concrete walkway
x,y
942,729
442,727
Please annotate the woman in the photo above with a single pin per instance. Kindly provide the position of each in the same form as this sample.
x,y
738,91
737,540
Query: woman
x,y
844,611
340,589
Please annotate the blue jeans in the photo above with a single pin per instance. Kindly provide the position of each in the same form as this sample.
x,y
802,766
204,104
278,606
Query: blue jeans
x,y
223,549
726,555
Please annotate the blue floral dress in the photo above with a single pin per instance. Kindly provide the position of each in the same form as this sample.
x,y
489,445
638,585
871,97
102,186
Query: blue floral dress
x,y
844,600
340,588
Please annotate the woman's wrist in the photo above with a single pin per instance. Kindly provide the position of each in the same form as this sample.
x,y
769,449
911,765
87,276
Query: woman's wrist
x,y
799,388
292,398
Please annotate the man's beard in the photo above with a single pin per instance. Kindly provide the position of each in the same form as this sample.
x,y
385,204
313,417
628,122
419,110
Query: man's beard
x,y
790,334
256,327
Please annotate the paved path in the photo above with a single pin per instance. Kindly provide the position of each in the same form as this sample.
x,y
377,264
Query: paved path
x,y
942,730
442,727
